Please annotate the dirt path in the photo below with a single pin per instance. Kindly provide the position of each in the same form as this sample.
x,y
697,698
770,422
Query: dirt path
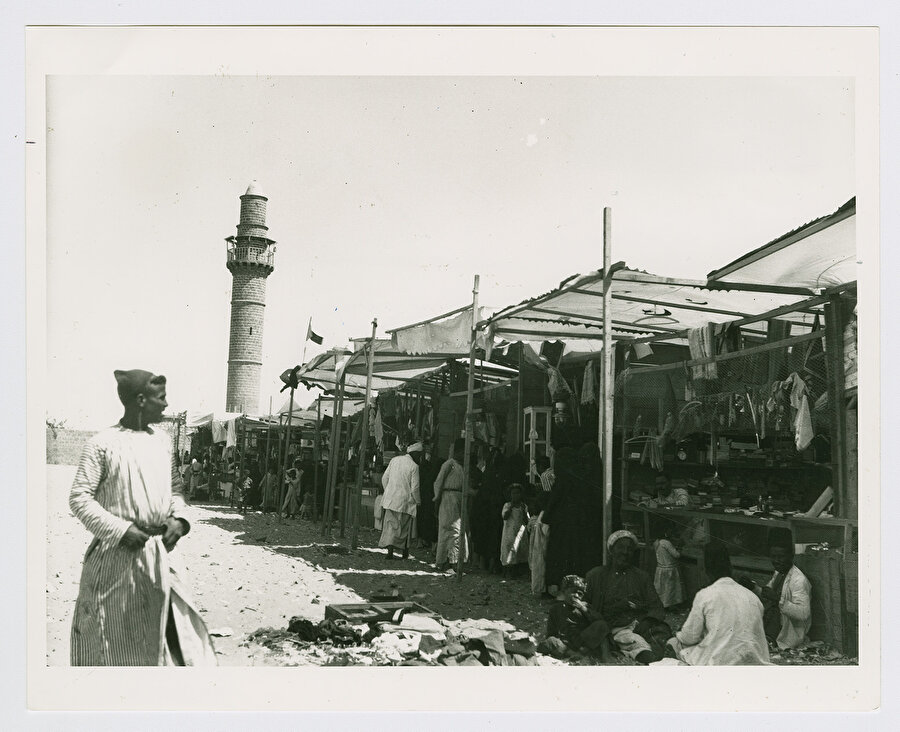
x,y
249,572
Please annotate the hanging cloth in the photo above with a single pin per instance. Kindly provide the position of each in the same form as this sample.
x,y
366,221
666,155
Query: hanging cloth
x,y
588,386
701,342
378,430
230,435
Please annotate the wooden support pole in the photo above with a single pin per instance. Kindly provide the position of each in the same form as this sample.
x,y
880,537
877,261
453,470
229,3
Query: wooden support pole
x,y
834,354
365,436
287,455
608,380
343,503
467,459
317,455
336,451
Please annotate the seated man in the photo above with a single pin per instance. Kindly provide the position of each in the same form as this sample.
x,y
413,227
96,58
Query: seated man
x,y
573,622
725,625
668,496
623,594
787,611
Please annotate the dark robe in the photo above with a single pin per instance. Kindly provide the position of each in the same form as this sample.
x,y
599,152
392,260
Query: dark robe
x,y
609,592
487,505
569,546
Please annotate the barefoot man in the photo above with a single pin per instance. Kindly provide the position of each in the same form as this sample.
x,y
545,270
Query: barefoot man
x,y
133,608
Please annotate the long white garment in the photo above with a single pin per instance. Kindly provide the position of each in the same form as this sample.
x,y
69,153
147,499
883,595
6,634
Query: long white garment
x,y
796,609
124,477
724,628
401,485
667,579
538,534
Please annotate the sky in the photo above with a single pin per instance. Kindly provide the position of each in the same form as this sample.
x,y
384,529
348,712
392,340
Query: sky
x,y
387,195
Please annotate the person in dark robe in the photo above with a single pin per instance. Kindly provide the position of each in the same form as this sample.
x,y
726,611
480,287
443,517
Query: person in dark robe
x,y
426,519
592,468
487,504
568,515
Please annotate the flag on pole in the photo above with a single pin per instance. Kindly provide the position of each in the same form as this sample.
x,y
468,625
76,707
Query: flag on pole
x,y
312,335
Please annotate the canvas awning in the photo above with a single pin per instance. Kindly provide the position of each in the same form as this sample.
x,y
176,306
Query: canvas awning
x,y
819,254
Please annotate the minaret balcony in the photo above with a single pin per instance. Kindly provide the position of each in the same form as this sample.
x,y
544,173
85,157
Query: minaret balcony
x,y
254,256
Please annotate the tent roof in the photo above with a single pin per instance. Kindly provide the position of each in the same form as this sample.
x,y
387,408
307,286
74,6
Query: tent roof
x,y
642,303
819,254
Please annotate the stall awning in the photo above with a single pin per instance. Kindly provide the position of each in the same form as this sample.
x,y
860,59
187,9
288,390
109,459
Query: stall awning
x,y
642,304
817,255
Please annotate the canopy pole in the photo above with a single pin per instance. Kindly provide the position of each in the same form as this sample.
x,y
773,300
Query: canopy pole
x,y
343,503
287,456
268,438
336,450
608,381
365,438
467,459
236,479
317,454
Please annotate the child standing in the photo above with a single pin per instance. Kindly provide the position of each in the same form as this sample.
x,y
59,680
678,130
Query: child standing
x,y
245,488
667,580
513,544
538,533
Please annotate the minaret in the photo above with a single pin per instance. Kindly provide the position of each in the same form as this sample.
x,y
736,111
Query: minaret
x,y
251,259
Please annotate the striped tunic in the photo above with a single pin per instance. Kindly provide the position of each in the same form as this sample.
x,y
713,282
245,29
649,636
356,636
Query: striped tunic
x,y
125,596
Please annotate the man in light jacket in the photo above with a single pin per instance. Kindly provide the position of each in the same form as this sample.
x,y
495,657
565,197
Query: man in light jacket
x,y
786,598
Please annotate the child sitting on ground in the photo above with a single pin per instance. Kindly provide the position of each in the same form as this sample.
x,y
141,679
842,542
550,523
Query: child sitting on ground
x,y
513,542
538,534
571,624
657,633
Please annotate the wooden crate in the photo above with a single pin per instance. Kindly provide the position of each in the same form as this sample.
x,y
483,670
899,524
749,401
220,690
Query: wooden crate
x,y
369,612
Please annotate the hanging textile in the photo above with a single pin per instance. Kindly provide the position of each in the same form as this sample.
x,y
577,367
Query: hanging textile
x,y
219,430
378,430
559,389
701,342
450,336
803,427
230,433
588,387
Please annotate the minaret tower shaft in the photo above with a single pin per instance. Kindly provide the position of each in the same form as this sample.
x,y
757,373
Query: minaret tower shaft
x,y
250,259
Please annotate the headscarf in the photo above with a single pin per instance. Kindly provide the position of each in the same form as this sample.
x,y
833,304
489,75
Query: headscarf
x,y
620,534
415,447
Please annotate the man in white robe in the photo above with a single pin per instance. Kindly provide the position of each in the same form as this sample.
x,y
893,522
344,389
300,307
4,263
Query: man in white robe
x,y
401,500
725,625
133,608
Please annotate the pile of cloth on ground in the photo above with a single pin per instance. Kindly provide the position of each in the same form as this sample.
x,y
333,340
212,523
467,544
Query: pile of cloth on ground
x,y
413,640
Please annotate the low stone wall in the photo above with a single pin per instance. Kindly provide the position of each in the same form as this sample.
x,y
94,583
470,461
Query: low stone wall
x,y
64,446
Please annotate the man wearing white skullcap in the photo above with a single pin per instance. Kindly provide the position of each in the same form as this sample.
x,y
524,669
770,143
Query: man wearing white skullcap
x,y
623,595
401,500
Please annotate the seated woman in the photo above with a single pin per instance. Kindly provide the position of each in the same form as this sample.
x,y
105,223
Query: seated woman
x,y
623,595
725,625
573,623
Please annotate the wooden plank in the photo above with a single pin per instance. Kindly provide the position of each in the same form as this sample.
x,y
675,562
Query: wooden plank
x,y
834,355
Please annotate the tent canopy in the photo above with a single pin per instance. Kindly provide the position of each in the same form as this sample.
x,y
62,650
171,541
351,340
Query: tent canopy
x,y
819,254
642,304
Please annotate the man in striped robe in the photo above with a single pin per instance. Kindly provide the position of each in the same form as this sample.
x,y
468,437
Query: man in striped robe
x,y
133,608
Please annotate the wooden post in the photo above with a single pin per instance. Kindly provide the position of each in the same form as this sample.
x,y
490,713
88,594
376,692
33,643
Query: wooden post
x,y
520,394
317,454
236,479
364,432
343,503
834,355
336,450
287,455
329,496
467,459
608,380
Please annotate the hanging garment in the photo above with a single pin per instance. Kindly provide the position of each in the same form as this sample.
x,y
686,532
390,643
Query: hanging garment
x,y
556,384
378,430
702,345
803,427
588,387
230,436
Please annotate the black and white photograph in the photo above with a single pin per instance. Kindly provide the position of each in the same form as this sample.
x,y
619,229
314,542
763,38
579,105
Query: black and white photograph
x,y
366,352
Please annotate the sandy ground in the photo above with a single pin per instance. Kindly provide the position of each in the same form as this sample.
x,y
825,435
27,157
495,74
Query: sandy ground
x,y
249,572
